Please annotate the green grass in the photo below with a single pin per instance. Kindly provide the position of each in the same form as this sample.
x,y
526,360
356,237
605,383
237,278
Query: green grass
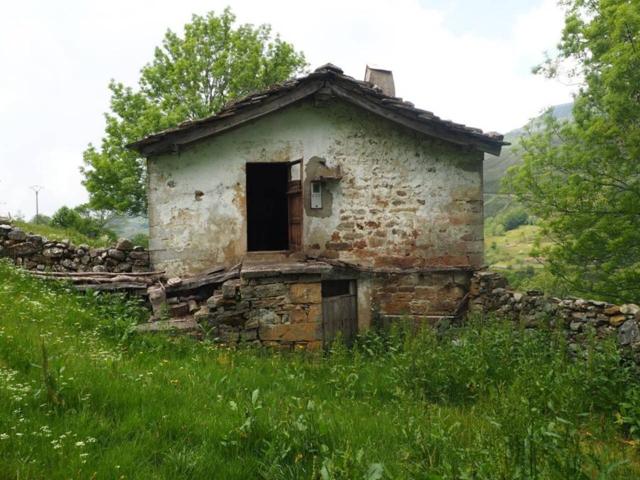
x,y
82,396
511,254
56,233
512,249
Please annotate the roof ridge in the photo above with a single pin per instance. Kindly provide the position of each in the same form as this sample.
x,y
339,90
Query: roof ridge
x,y
396,107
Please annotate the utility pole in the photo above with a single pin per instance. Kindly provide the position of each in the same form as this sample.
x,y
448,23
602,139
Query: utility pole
x,y
37,189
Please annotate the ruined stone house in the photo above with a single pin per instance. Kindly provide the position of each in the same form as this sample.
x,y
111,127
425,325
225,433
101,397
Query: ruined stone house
x,y
338,203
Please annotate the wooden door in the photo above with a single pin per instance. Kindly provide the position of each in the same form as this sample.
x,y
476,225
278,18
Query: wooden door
x,y
340,316
294,200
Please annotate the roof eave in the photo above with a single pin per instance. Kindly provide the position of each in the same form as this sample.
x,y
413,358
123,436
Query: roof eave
x,y
174,139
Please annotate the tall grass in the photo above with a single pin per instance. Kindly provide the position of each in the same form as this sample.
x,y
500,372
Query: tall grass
x,y
82,396
58,233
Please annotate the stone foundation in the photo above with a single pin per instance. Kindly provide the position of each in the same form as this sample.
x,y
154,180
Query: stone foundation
x,y
425,298
285,310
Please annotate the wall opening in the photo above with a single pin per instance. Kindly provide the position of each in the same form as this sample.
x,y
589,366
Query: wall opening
x,y
334,288
267,209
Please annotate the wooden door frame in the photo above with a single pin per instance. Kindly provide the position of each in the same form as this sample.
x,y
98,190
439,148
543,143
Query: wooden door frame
x,y
299,161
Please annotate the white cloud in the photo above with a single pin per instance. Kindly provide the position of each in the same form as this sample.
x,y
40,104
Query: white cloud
x,y
58,58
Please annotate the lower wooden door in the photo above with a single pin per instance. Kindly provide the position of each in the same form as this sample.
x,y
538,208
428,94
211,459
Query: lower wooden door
x,y
340,318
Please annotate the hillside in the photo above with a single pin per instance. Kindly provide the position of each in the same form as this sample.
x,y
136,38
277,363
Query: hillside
x,y
495,167
510,250
81,396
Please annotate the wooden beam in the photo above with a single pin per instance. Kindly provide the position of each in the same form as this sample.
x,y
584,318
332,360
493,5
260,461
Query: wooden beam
x,y
95,274
130,287
197,282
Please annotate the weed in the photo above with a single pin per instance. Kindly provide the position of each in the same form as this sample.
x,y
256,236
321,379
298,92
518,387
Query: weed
x,y
487,400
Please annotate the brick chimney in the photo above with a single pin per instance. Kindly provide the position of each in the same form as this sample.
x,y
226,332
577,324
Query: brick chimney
x,y
382,79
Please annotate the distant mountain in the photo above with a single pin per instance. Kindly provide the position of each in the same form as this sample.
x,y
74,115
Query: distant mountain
x,y
495,167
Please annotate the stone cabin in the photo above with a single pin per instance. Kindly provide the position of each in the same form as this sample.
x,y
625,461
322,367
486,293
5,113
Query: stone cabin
x,y
338,203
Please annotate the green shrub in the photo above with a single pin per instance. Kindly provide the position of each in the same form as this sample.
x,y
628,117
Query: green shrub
x,y
141,239
82,220
513,218
629,412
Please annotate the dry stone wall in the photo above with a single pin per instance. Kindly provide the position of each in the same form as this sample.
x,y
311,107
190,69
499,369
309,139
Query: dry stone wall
x,y
579,318
280,311
35,252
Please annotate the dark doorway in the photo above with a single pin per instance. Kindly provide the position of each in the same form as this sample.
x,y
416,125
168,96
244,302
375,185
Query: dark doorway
x,y
267,206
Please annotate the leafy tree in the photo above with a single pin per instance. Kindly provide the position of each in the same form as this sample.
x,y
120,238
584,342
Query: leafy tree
x,y
582,177
82,220
191,76
65,217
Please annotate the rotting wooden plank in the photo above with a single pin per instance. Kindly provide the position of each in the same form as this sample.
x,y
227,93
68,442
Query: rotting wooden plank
x,y
119,277
285,268
99,281
197,282
391,270
131,287
211,270
94,274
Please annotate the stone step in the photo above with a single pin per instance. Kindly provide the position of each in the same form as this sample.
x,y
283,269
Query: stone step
x,y
185,325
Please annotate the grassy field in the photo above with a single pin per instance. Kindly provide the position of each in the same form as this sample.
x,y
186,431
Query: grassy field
x,y
512,249
82,396
511,254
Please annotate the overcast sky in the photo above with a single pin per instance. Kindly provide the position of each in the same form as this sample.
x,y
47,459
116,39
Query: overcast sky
x,y
466,60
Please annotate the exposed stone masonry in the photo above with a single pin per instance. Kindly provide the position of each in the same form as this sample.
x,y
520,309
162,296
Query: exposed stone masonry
x,y
425,298
286,310
34,252
490,293
402,202
282,311
393,200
